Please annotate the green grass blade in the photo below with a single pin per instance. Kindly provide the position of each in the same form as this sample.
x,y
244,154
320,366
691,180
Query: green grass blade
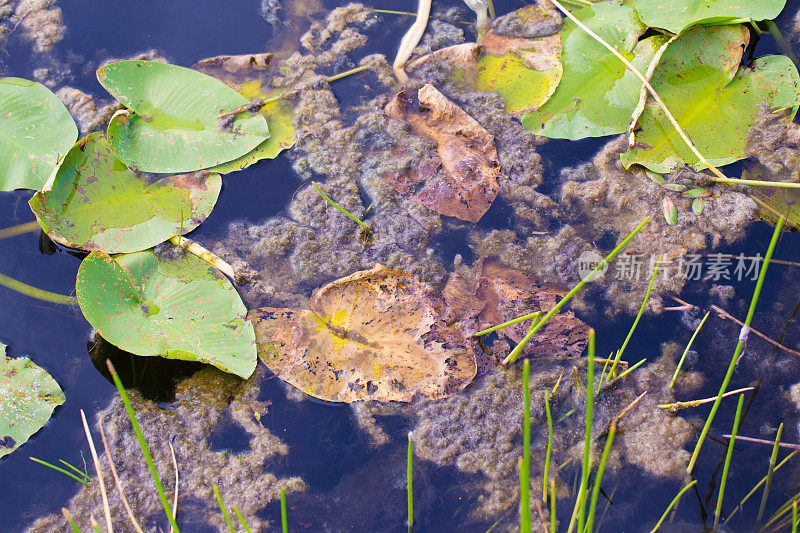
x,y
341,209
763,480
517,350
688,346
772,460
76,469
672,504
241,520
728,457
511,322
794,517
553,521
549,451
70,521
224,510
739,346
598,478
587,441
59,469
284,515
410,480
143,445
525,462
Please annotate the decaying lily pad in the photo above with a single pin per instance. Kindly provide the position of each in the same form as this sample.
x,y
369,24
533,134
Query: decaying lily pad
x,y
461,179
498,293
28,397
249,75
95,202
377,334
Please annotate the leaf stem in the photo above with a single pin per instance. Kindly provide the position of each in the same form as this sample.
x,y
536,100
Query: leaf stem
x,y
342,209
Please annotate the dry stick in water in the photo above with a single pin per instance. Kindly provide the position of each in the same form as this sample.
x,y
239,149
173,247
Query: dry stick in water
x,y
694,403
117,481
718,176
724,314
739,346
106,510
411,39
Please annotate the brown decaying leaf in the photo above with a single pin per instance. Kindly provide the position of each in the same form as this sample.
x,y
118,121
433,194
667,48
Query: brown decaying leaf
x,y
377,334
498,293
460,180
234,64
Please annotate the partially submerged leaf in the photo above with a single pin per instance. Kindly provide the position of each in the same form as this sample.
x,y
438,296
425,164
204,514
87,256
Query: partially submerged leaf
x,y
377,334
175,307
461,179
597,94
95,202
28,397
249,75
714,99
174,124
498,293
676,15
35,130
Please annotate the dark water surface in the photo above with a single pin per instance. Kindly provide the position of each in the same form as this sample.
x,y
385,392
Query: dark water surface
x,y
325,444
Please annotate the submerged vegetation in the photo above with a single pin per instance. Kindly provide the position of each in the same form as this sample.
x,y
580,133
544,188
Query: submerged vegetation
x,y
436,344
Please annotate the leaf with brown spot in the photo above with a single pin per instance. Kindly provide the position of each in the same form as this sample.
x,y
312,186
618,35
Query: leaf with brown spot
x,y
377,334
461,179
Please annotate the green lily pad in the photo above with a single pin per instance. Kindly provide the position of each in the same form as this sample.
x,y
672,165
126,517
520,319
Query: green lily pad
x,y
248,75
95,202
675,15
175,307
597,94
712,98
35,130
174,124
28,397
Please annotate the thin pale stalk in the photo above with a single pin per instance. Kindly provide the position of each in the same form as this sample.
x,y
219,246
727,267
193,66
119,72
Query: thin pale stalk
x,y
517,350
59,469
20,229
575,508
525,462
143,445
728,457
553,521
33,292
117,482
772,460
204,254
175,497
241,520
284,514
70,521
763,480
411,39
224,510
549,451
788,445
587,440
694,403
672,504
739,347
688,346
103,493
726,315
341,209
636,320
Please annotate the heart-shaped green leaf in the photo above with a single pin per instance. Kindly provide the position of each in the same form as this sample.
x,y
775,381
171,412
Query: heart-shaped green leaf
x,y
28,397
95,202
675,15
174,125
596,95
712,98
177,307
35,130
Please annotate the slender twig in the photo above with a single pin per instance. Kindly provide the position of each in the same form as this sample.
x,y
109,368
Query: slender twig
x,y
143,445
33,292
106,510
694,403
341,209
411,39
175,498
672,504
787,445
517,350
204,254
728,457
724,314
59,469
770,471
224,510
686,351
763,480
739,346
117,481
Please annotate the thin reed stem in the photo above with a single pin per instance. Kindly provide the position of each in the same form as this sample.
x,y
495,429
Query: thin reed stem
x,y
284,514
341,209
175,497
241,520
549,451
688,346
794,516
143,445
76,469
672,504
587,441
694,403
117,482
70,521
509,323
517,350
20,229
33,292
763,480
410,479
390,12
772,460
739,346
553,521
224,510
525,462
598,478
59,469
728,457
613,382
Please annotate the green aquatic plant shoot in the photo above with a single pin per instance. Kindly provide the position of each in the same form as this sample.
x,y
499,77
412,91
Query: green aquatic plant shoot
x,y
33,292
410,480
59,469
587,441
525,461
794,516
772,460
143,445
728,457
342,210
224,510
686,351
517,350
549,451
241,520
672,504
756,487
739,346
70,521
284,515
553,521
